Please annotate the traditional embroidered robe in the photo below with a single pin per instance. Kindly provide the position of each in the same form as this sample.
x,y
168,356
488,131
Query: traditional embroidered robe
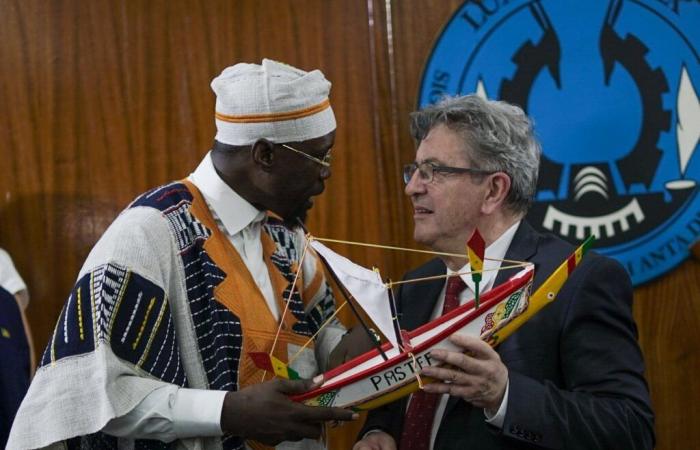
x,y
165,297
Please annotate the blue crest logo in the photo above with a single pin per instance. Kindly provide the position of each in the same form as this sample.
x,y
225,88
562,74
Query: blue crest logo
x,y
613,89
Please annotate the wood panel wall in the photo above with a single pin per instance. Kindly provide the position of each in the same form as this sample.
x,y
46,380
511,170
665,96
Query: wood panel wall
x,y
102,99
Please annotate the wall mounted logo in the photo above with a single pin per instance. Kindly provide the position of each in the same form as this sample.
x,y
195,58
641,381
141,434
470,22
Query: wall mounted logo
x,y
613,87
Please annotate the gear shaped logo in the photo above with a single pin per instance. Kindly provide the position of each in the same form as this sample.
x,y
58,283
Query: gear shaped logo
x,y
613,89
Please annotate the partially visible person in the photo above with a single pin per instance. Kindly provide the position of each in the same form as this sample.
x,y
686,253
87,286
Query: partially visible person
x,y
151,350
16,348
572,377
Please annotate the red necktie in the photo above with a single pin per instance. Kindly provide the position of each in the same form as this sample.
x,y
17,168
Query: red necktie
x,y
421,411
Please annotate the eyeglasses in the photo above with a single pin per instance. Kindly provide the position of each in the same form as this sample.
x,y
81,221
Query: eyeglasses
x,y
426,171
325,162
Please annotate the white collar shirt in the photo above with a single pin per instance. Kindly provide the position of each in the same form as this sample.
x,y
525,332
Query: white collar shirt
x,y
493,254
240,221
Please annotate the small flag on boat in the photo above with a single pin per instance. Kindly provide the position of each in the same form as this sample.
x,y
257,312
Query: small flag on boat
x,y
268,362
475,253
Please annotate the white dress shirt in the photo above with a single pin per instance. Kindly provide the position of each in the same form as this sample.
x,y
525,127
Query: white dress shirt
x,y
492,254
242,223
166,413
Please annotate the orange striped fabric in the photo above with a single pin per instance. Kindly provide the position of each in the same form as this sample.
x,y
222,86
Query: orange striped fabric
x,y
274,117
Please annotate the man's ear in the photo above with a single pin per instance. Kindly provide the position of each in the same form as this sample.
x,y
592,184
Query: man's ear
x,y
263,153
498,188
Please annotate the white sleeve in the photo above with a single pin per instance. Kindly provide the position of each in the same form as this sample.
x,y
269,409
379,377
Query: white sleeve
x,y
497,419
9,278
170,413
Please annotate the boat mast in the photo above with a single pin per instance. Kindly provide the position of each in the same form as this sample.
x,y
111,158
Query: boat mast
x,y
394,314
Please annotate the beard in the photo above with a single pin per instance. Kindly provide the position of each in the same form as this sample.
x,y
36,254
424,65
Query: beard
x,y
297,218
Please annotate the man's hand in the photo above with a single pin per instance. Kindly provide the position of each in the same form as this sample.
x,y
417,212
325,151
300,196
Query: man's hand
x,y
477,375
265,413
354,343
377,440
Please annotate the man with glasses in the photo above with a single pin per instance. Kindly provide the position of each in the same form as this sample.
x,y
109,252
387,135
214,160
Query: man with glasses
x,y
572,377
153,343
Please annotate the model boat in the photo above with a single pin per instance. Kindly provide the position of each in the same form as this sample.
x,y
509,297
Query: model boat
x,y
392,370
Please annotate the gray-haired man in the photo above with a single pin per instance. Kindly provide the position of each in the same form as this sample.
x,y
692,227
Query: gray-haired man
x,y
572,377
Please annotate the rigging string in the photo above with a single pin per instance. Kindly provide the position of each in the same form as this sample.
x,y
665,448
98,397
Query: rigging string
x,y
402,249
513,264
416,370
306,344
286,303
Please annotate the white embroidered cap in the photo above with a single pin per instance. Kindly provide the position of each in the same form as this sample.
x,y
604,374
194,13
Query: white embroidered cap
x,y
273,101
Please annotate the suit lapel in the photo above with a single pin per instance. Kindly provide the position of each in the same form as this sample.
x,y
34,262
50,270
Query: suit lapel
x,y
418,299
522,248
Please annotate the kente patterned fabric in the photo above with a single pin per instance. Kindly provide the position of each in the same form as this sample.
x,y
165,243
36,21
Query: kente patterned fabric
x,y
165,297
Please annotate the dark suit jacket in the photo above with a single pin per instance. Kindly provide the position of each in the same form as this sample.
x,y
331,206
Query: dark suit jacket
x,y
575,369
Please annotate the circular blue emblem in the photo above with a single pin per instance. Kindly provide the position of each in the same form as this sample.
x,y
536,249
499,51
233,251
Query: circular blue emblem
x,y
613,87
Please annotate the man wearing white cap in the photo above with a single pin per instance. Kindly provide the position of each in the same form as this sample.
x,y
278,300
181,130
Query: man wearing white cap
x,y
152,347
